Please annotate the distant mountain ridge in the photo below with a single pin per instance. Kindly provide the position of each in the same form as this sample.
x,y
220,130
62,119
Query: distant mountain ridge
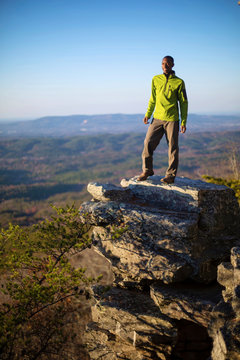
x,y
60,126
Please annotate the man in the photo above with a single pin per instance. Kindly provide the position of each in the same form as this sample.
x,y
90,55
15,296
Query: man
x,y
167,92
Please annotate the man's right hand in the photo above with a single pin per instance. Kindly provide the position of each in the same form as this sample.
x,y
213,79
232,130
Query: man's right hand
x,y
145,120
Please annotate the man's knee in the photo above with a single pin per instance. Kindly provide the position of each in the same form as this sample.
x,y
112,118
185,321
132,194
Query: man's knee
x,y
149,147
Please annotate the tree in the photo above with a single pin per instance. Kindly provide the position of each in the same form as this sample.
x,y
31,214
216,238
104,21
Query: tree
x,y
234,161
39,286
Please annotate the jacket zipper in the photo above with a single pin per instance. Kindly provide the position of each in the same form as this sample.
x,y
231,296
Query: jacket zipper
x,y
165,84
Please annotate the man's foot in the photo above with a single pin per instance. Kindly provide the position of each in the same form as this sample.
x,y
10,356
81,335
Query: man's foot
x,y
168,180
145,175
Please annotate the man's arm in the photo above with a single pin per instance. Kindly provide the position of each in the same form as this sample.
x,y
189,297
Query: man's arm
x,y
151,104
183,101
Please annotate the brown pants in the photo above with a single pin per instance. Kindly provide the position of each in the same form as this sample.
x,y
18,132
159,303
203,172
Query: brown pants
x,y
155,132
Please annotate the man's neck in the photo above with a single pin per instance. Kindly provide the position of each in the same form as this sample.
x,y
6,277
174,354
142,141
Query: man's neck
x,y
172,72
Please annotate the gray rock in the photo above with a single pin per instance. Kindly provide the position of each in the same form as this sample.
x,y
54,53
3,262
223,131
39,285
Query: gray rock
x,y
225,323
108,192
235,257
180,196
161,236
186,301
225,277
229,277
133,321
99,213
217,204
102,344
236,301
226,341
156,245
182,238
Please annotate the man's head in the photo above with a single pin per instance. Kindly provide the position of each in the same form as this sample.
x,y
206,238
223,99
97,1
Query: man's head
x,y
167,64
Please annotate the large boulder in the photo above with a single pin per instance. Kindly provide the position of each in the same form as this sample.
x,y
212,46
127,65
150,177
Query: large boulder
x,y
174,232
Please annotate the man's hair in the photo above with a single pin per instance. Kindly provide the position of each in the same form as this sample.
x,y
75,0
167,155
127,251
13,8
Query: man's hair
x,y
170,58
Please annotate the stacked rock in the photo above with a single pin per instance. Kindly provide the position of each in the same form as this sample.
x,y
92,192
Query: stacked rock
x,y
165,244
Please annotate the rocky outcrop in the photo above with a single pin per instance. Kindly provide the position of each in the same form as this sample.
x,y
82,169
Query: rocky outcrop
x,y
167,245
174,232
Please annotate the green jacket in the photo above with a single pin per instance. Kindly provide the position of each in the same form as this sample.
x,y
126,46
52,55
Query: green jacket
x,y
166,93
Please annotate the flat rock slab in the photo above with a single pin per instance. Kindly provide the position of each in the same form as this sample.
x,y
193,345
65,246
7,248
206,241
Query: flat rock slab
x,y
108,192
183,195
192,302
179,196
133,320
217,204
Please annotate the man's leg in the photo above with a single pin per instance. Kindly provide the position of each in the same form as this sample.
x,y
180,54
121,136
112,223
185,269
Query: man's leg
x,y
154,134
172,133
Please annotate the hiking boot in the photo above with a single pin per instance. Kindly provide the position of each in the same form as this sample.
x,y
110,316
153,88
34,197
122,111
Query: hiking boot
x,y
168,180
144,175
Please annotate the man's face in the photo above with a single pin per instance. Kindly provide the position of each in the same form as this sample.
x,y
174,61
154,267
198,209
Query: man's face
x,y
167,65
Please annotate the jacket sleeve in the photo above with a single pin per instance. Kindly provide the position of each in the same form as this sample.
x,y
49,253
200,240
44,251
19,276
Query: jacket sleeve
x,y
183,101
152,101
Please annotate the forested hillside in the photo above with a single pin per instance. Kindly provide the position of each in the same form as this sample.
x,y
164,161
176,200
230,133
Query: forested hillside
x,y
71,125
35,172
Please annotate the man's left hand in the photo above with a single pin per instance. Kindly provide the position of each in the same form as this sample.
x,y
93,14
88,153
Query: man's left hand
x,y
183,129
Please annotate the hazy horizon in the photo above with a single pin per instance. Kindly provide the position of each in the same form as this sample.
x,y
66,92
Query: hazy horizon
x,y
64,115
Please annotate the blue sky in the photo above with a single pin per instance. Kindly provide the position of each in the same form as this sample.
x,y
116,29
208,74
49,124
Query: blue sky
x,y
61,57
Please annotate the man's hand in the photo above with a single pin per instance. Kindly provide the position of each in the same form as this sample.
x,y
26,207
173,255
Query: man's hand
x,y
145,120
183,129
